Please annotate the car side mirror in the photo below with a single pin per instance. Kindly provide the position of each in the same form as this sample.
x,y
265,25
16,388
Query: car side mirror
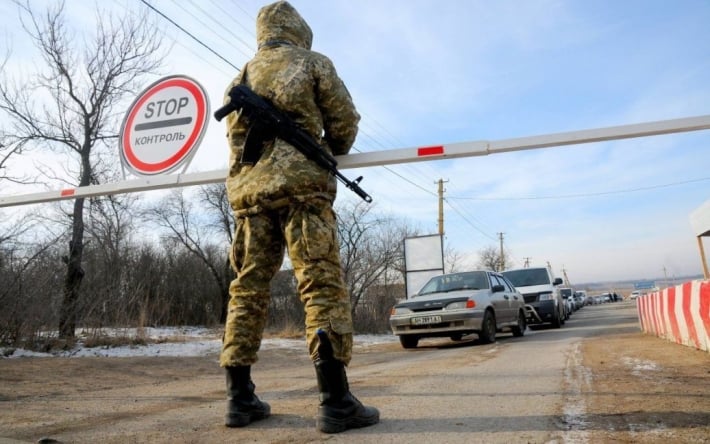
x,y
557,281
497,288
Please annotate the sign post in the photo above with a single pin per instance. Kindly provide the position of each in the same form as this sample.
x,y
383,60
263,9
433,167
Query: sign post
x,y
164,126
423,259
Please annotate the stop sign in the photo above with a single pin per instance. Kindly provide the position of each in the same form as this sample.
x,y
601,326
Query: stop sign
x,y
164,126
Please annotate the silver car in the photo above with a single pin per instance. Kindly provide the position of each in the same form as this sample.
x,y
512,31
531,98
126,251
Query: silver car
x,y
458,304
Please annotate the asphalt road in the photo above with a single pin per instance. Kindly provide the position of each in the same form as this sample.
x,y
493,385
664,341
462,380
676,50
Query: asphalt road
x,y
517,390
533,389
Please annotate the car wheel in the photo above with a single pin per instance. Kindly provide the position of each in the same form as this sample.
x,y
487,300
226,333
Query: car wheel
x,y
408,341
519,330
456,337
556,321
487,334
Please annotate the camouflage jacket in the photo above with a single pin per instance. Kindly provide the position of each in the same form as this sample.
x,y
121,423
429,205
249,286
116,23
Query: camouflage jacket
x,y
303,84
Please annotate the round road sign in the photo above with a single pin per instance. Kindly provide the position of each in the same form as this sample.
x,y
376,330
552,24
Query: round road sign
x,y
164,125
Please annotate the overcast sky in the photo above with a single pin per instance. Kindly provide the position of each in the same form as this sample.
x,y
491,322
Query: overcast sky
x,y
425,72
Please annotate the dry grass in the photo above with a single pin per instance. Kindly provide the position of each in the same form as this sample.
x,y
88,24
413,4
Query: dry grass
x,y
290,331
134,337
116,341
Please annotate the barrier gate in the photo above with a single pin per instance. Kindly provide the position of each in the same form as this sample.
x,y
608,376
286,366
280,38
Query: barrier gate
x,y
386,157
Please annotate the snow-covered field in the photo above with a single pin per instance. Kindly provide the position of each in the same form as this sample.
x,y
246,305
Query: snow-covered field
x,y
176,341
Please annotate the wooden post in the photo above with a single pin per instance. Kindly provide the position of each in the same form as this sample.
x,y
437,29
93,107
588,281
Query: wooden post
x,y
706,273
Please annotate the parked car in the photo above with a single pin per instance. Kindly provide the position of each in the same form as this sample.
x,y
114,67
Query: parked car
x,y
580,296
457,304
635,294
540,290
567,294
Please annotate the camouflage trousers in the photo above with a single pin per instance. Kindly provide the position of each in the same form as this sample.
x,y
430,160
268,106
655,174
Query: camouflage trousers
x,y
307,230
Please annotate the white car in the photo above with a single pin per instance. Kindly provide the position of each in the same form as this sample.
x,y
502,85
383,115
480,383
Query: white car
x,y
458,304
540,290
635,294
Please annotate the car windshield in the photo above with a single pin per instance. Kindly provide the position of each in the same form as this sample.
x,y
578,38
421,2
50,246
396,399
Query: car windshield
x,y
527,277
472,280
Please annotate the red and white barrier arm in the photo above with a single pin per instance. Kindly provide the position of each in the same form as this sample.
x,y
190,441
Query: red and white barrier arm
x,y
388,157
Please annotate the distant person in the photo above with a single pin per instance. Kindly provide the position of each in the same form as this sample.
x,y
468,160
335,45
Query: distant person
x,y
285,201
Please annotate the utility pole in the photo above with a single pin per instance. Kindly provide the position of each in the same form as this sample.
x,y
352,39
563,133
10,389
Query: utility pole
x,y
527,262
502,254
665,275
564,273
441,206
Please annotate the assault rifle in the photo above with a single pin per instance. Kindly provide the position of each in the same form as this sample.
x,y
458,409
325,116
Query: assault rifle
x,y
266,121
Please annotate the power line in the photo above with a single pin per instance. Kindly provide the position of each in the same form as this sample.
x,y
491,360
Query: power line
x,y
468,221
211,28
574,196
208,61
239,70
188,33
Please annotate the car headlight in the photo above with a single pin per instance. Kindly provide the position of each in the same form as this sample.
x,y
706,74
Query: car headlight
x,y
547,297
400,311
460,305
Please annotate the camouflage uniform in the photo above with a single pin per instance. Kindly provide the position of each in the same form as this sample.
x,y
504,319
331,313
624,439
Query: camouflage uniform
x,y
285,200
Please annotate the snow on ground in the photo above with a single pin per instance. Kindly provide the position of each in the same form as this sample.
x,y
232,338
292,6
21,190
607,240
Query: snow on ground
x,y
175,342
641,367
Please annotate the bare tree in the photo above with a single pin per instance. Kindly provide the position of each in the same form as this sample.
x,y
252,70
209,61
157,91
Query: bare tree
x,y
285,310
214,199
9,146
26,252
69,106
109,227
189,227
490,258
452,259
371,247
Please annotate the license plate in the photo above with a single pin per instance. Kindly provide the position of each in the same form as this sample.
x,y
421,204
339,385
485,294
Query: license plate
x,y
424,320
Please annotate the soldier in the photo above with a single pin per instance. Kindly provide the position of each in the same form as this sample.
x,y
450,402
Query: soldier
x,y
284,200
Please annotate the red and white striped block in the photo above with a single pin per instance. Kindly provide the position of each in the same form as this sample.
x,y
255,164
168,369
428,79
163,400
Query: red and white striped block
x,y
680,314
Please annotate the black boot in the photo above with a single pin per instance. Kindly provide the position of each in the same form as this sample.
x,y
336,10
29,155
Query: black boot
x,y
339,410
243,406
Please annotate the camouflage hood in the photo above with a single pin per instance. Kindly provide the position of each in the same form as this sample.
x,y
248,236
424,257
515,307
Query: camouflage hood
x,y
304,85
280,22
